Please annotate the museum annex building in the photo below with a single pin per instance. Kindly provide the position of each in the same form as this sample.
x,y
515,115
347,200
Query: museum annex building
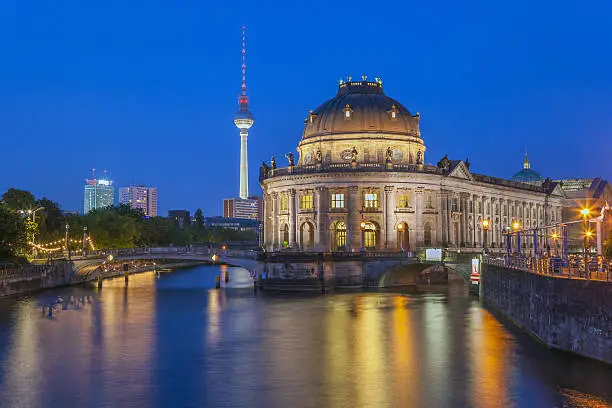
x,y
361,183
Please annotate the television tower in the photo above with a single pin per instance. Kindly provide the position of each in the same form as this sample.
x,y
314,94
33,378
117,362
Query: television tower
x,y
243,121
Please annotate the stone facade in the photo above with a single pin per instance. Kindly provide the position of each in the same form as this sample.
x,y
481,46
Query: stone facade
x,y
361,184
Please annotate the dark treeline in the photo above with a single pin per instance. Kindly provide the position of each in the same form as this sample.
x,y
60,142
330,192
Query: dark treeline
x,y
112,227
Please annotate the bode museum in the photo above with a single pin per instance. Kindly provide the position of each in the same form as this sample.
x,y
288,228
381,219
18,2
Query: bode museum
x,y
361,183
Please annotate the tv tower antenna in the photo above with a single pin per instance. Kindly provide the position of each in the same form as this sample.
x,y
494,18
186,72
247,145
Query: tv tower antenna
x,y
243,121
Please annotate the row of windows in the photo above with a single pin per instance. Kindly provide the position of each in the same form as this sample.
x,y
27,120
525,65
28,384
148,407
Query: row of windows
x,y
337,201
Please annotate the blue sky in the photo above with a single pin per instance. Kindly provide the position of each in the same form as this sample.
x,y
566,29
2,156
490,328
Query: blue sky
x,y
148,90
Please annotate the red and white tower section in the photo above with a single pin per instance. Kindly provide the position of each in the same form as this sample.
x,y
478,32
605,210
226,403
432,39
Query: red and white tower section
x,y
243,121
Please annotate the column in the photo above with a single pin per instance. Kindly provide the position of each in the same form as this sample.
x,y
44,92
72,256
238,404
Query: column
x,y
321,232
463,230
444,215
292,219
440,220
274,231
418,217
353,233
389,211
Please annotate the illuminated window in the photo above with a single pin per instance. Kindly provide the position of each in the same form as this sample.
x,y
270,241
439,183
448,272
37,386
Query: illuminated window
x,y
403,201
307,202
371,200
337,201
348,112
340,243
393,113
369,236
284,203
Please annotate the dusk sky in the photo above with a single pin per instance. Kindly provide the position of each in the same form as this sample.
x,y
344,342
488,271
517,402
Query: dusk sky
x,y
148,90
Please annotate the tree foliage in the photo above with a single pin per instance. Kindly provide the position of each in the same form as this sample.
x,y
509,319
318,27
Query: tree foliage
x,y
112,227
18,200
13,234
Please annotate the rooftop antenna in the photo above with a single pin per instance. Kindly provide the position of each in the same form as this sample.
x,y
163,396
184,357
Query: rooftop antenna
x,y
243,121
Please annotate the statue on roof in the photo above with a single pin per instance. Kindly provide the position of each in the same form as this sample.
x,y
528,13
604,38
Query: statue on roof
x,y
389,155
467,163
444,163
273,162
289,157
354,154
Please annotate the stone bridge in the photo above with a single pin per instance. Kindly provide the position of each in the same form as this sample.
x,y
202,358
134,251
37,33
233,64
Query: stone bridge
x,y
338,269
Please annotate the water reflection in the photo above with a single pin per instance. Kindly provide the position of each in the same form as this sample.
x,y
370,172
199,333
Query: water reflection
x,y
176,341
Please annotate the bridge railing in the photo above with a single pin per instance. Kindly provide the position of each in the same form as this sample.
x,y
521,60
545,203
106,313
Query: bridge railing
x,y
555,267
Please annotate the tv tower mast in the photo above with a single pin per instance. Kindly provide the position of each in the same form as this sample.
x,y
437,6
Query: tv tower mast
x,y
243,121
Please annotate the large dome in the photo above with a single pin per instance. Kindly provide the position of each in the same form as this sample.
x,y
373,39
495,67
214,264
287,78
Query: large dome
x,y
369,110
361,117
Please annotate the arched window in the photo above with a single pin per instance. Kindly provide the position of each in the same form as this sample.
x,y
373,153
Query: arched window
x,y
369,235
340,236
427,234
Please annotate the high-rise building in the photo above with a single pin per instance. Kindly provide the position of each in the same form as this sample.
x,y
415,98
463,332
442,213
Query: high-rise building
x,y
243,121
140,197
248,208
99,193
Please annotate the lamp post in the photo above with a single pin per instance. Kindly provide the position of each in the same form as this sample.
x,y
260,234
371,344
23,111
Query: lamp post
x,y
585,213
485,228
517,226
555,236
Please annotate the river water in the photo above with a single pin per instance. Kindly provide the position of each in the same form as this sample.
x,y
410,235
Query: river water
x,y
177,342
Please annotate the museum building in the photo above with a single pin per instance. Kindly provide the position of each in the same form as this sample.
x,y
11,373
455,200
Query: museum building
x,y
361,183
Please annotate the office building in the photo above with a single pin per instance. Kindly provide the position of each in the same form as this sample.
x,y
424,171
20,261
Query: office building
x,y
143,198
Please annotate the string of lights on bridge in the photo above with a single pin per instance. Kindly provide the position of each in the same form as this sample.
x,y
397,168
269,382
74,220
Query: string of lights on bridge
x,y
60,245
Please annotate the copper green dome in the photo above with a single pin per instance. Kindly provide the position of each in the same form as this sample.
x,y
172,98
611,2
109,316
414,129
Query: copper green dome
x,y
527,175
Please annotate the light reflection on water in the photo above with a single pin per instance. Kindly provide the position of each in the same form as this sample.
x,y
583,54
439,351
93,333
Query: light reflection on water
x,y
174,341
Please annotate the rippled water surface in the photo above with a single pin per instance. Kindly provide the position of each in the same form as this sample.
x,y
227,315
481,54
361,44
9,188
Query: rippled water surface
x,y
177,342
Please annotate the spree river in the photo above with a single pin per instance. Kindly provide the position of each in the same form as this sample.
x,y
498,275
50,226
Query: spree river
x,y
175,341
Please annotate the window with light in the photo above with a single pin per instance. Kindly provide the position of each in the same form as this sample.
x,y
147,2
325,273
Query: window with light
x,y
337,201
340,243
284,203
306,202
369,236
403,201
371,200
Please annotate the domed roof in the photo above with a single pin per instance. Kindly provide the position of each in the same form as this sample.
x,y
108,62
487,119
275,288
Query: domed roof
x,y
527,175
361,107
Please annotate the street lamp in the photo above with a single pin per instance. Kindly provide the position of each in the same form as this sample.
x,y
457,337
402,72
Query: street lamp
x,y
485,228
555,236
517,226
585,213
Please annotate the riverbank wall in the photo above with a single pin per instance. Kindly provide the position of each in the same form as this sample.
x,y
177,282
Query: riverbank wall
x,y
565,314
36,278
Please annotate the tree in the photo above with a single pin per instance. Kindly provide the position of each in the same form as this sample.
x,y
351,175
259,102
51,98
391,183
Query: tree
x,y
13,236
198,220
18,200
51,221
